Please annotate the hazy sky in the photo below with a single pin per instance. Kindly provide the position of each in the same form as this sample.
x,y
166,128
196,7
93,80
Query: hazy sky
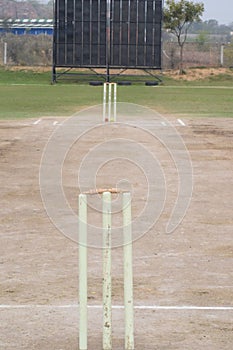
x,y
221,10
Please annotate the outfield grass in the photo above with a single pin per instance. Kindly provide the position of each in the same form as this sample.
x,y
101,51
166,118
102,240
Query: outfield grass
x,y
23,76
37,100
29,95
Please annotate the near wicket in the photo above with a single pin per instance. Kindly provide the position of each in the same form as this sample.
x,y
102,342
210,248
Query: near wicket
x,y
107,278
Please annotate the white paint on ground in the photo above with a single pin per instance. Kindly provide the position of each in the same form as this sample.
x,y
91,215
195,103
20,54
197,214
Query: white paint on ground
x,y
136,307
180,121
37,122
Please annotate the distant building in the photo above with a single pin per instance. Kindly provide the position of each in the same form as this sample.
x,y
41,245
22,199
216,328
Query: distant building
x,y
27,26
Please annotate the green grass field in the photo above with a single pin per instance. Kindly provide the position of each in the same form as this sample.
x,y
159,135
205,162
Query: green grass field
x,y
26,94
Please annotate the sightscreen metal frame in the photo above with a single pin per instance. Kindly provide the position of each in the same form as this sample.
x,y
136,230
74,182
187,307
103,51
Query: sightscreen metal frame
x,y
109,34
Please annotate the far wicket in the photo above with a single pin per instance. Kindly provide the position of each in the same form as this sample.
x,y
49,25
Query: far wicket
x,y
109,94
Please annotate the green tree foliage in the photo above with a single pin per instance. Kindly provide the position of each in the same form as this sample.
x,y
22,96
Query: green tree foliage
x,y
202,40
178,17
210,26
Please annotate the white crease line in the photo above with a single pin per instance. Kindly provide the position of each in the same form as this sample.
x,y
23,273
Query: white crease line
x,y
181,122
163,123
158,307
145,125
37,122
136,307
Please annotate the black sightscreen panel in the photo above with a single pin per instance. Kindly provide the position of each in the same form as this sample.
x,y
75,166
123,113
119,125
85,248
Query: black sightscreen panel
x,y
80,33
83,38
136,33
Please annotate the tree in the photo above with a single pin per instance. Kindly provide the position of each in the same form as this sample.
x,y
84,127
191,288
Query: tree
x,y
201,40
178,17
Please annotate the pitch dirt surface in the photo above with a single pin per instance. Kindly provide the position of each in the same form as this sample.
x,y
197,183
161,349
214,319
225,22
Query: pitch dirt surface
x,y
182,282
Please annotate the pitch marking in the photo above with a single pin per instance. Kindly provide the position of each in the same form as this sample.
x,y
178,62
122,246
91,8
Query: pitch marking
x,y
117,307
37,122
181,122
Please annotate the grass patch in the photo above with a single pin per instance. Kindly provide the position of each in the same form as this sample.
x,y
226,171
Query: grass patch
x,y
30,101
24,76
179,100
37,97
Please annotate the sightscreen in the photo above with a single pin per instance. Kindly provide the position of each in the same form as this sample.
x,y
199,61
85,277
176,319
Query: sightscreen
x,y
108,33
